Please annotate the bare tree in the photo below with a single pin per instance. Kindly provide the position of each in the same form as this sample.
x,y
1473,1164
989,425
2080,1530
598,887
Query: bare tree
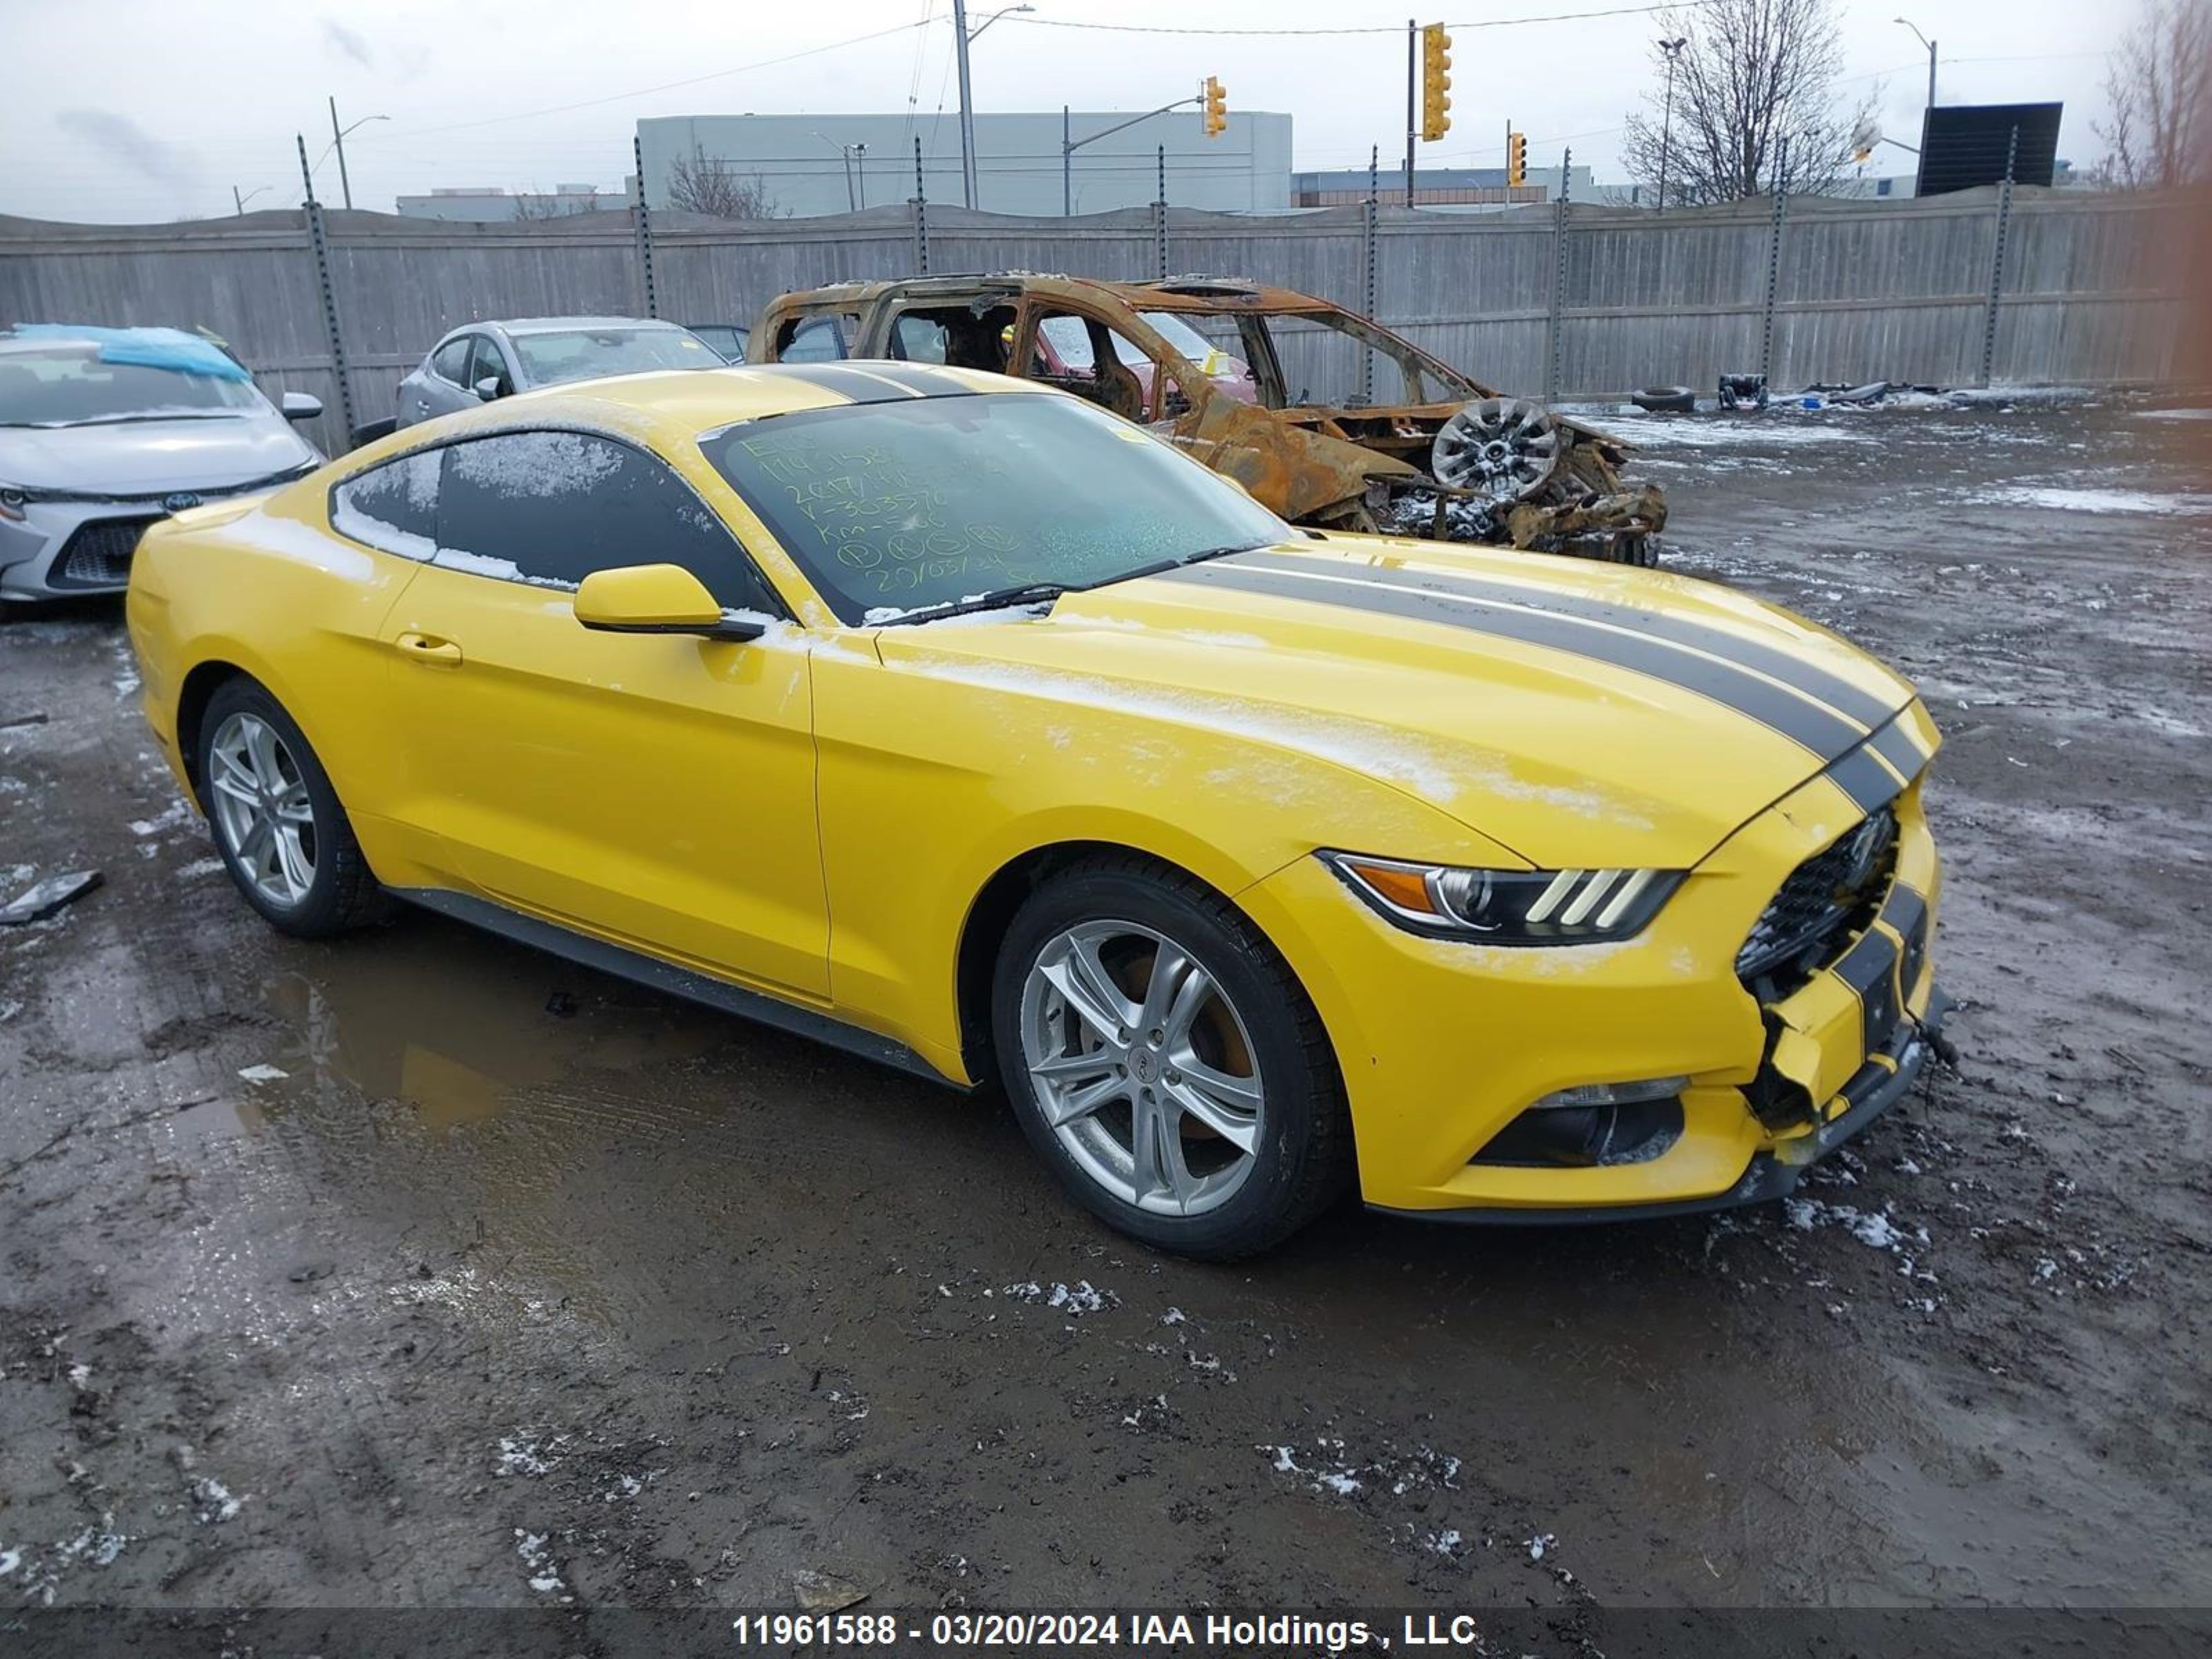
x,y
533,204
2159,84
699,183
1755,104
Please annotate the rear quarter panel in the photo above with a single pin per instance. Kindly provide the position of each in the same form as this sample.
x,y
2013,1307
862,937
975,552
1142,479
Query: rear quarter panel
x,y
267,588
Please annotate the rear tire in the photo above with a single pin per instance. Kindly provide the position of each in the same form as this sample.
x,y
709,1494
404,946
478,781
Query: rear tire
x,y
277,824
1164,1062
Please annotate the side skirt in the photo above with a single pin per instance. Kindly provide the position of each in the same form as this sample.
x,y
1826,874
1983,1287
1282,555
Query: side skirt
x,y
659,975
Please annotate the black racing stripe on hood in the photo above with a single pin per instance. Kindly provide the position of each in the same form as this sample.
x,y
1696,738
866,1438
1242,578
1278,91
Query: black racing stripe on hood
x,y
1826,733
921,379
1897,745
1773,661
1870,785
861,388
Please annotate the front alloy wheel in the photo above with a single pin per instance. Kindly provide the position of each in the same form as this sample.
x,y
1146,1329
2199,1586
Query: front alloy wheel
x,y
262,809
1164,1061
1143,1067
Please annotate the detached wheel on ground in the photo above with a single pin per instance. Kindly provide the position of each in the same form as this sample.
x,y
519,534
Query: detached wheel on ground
x,y
1164,1062
1666,400
277,823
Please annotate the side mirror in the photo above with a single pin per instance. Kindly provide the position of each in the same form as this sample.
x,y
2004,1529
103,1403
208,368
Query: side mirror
x,y
487,388
301,406
656,599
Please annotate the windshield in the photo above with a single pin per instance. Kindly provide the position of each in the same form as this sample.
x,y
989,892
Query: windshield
x,y
898,507
557,357
70,385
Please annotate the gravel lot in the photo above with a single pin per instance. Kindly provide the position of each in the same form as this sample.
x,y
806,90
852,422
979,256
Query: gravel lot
x,y
356,1276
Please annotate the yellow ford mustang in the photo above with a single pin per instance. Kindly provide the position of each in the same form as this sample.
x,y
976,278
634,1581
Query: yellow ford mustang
x,y
952,720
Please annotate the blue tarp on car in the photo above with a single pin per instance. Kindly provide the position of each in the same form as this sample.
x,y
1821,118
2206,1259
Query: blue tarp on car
x,y
146,348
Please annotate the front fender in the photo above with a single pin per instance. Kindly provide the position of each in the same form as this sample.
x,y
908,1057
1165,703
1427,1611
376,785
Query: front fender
x,y
936,774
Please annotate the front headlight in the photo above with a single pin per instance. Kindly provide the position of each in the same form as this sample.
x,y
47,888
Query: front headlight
x,y
1508,907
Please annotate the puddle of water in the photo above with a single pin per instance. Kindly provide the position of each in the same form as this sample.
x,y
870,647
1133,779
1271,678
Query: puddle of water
x,y
456,1025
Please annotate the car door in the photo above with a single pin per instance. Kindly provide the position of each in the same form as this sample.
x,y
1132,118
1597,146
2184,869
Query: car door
x,y
655,790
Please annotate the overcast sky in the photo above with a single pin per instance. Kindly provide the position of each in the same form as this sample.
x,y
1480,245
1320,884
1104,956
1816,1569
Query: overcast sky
x,y
148,110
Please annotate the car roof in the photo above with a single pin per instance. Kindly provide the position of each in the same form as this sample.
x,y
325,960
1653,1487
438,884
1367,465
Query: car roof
x,y
1193,294
674,405
570,324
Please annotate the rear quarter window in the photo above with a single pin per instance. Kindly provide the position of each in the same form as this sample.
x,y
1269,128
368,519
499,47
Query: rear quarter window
x,y
393,506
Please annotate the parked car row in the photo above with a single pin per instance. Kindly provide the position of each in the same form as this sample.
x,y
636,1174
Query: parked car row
x,y
1217,365
1256,863
104,431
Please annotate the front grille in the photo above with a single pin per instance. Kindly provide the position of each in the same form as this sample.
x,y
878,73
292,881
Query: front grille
x,y
99,554
1827,902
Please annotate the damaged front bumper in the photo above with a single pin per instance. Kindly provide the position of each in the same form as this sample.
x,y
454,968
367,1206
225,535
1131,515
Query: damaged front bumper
x,y
1770,1175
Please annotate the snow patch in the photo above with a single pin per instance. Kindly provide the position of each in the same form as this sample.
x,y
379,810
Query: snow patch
x,y
2054,500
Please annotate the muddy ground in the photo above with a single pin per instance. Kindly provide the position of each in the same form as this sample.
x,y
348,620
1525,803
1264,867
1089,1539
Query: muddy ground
x,y
357,1275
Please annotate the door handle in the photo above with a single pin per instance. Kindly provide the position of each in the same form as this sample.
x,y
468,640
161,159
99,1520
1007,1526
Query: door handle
x,y
435,652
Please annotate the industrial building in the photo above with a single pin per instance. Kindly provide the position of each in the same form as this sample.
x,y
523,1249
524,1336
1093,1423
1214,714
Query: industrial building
x,y
808,165
1433,186
488,204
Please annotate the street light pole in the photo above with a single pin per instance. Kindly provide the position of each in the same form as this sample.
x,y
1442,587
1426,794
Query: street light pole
x,y
1930,45
962,36
967,109
345,185
239,202
337,143
1674,50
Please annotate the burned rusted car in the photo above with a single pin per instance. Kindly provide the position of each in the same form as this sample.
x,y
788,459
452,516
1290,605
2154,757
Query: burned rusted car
x,y
1326,417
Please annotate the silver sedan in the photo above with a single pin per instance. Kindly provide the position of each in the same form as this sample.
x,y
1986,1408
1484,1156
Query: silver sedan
x,y
104,430
479,361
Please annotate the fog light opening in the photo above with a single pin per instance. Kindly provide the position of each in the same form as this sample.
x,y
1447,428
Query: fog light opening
x,y
1593,1124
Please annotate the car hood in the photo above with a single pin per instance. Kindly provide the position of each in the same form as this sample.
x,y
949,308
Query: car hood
x,y
149,458
1580,714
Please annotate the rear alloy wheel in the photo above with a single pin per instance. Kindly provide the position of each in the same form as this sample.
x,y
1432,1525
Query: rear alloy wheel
x,y
1165,1063
262,812
284,838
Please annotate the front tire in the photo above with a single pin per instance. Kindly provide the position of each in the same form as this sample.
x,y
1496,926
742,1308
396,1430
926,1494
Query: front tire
x,y
283,836
1164,1062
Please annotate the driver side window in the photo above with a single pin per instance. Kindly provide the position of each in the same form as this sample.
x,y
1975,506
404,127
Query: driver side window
x,y
548,508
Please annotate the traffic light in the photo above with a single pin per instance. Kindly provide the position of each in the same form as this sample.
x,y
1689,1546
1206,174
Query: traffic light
x,y
1517,158
1435,82
1217,107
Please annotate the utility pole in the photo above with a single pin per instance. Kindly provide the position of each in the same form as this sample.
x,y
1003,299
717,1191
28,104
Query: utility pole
x,y
1067,166
239,202
966,108
337,140
1413,34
